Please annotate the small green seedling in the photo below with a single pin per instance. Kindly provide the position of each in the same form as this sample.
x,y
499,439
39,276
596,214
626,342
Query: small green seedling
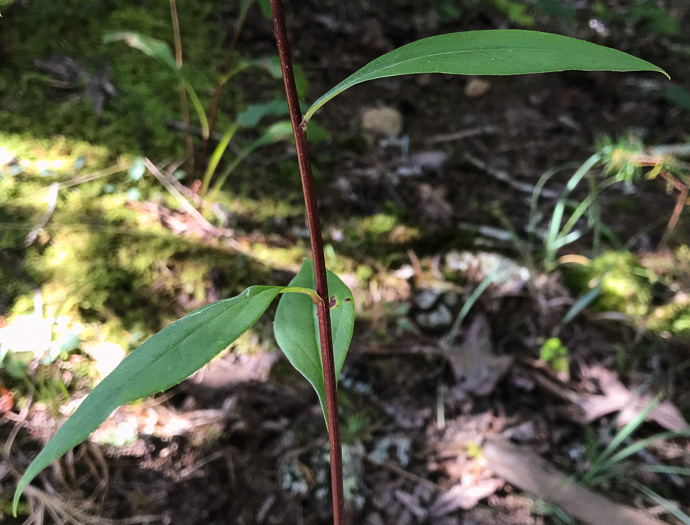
x,y
555,353
313,328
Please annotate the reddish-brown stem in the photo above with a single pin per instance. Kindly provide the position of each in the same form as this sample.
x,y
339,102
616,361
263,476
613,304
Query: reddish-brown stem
x,y
319,262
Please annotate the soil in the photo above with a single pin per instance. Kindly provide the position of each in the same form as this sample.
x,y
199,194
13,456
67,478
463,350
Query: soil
x,y
254,448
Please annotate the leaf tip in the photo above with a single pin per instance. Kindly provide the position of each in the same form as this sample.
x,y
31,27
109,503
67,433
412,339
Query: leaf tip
x,y
18,494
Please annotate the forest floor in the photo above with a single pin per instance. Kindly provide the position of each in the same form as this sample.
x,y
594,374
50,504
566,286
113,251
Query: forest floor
x,y
425,187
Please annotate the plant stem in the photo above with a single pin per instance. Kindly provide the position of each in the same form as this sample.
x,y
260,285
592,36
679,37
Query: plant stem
x,y
224,75
319,261
183,91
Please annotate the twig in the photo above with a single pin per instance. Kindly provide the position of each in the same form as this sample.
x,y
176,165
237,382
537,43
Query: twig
x,y
463,134
506,178
180,198
403,473
529,472
678,208
52,202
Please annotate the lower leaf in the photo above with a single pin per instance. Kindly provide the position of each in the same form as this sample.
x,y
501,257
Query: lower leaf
x,y
163,361
296,327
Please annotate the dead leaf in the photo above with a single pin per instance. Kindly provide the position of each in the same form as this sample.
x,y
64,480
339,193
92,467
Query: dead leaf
x,y
475,363
464,496
617,397
433,206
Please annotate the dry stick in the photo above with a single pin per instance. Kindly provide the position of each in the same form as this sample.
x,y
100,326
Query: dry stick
x,y
319,262
680,204
183,91
524,469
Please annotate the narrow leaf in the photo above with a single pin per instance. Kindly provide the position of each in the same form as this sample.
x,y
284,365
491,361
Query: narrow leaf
x,y
281,130
164,360
496,52
215,158
160,51
297,327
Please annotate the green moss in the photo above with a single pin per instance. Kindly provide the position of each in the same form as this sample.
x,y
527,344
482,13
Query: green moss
x,y
641,289
135,120
626,286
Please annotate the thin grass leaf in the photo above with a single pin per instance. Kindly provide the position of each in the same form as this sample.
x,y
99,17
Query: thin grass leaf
x,y
628,429
595,215
279,131
474,296
582,303
557,216
666,504
665,469
536,194
520,246
634,448
565,241
496,52
584,207
215,158
613,472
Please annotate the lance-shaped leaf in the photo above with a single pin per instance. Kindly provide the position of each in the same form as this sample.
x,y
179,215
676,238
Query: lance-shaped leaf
x,y
297,327
162,361
495,52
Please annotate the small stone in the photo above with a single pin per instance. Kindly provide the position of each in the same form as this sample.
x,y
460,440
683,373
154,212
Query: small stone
x,y
374,519
438,319
451,299
381,500
425,299
476,87
429,161
386,121
404,272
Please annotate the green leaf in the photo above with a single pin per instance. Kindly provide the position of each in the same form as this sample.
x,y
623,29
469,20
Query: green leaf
x,y
281,130
159,50
161,362
297,327
251,116
496,52
156,49
265,6
216,156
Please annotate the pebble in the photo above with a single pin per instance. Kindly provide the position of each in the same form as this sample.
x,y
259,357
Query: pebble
x,y
426,298
476,87
385,121
438,319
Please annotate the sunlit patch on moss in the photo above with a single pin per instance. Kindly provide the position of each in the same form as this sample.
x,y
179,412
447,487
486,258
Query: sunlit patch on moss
x,y
653,289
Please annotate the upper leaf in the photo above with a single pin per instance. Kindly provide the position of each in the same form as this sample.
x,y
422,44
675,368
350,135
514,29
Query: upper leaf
x,y
496,52
162,361
297,327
